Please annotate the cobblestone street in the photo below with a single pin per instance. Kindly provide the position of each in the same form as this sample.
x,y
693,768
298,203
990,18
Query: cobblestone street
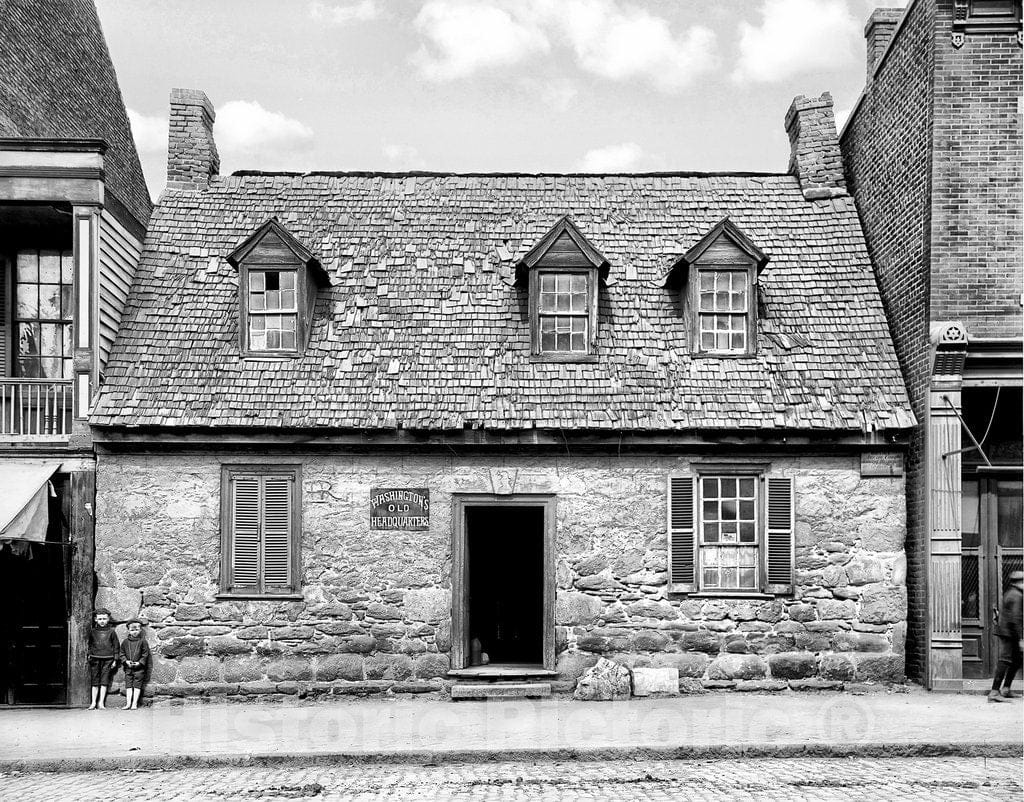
x,y
780,779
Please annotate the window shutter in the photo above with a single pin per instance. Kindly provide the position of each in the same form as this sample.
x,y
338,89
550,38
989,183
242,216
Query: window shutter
x,y
245,534
277,534
779,542
681,540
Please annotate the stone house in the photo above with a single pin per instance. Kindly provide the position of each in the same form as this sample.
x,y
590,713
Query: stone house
x,y
73,211
933,155
361,430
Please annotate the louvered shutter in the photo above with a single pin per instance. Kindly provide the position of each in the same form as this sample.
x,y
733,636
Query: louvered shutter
x,y
245,534
779,540
277,534
681,540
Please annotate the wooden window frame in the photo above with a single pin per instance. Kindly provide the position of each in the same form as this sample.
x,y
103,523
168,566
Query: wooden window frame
x,y
228,474
301,290
539,355
692,305
762,473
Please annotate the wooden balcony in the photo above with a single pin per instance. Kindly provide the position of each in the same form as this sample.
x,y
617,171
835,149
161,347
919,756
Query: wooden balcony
x,y
35,409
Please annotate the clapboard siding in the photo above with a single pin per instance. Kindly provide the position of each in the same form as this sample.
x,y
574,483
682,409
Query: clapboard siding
x,y
119,256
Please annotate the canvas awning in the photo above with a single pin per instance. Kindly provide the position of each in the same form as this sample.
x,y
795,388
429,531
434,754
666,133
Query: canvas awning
x,y
23,499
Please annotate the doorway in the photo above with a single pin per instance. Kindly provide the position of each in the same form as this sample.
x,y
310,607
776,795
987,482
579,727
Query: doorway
x,y
34,598
503,588
991,548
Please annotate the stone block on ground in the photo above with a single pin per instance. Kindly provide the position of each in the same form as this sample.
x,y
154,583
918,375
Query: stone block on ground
x,y
655,681
606,681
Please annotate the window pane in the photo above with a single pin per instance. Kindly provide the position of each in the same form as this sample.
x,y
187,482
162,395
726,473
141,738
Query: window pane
x,y
49,267
748,534
258,341
710,510
748,578
747,510
257,302
273,280
287,280
728,509
273,300
257,323
67,268
273,338
49,301
27,304
709,487
562,302
288,299
257,281
28,266
728,487
547,282
288,323
711,532
67,301
288,339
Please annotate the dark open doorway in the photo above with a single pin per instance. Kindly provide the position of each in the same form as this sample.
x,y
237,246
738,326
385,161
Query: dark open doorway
x,y
34,598
505,572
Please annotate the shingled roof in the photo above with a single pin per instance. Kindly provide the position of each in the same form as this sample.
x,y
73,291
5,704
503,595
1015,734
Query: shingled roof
x,y
424,327
58,82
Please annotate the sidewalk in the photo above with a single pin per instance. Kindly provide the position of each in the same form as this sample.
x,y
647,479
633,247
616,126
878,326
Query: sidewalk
x,y
420,731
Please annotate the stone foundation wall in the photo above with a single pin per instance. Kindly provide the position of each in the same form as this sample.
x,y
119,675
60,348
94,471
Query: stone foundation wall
x,y
376,610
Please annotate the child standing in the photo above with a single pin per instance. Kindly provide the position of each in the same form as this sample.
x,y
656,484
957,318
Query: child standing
x,y
103,649
135,660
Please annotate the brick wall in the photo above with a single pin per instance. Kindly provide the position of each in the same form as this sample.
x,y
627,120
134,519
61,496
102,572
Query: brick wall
x,y
376,609
887,156
976,181
58,81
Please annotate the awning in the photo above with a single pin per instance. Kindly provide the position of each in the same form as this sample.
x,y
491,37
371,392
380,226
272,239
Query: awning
x,y
23,499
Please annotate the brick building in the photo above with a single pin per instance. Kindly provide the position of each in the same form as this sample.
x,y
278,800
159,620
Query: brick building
x,y
73,211
366,428
933,156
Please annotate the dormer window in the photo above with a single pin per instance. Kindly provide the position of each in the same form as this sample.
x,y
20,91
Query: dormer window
x,y
717,279
273,311
723,314
562,272
277,280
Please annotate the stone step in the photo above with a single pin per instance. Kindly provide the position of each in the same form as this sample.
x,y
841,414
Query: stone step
x,y
500,690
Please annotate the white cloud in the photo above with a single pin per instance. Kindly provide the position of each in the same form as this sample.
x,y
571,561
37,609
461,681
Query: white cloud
x,y
611,159
841,115
248,134
403,157
362,11
607,38
558,94
462,38
150,133
797,36
622,42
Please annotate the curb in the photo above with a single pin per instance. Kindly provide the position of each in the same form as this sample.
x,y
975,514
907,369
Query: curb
x,y
420,757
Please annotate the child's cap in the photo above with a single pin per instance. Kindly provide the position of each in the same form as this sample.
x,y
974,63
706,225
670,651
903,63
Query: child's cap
x,y
101,611
131,621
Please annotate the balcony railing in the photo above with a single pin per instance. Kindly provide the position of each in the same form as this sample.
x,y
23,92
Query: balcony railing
x,y
35,408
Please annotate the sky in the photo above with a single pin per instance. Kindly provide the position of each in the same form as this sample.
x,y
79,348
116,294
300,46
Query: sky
x,y
486,85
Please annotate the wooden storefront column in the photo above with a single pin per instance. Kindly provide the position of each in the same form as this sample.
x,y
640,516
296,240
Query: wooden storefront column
x,y
83,504
944,499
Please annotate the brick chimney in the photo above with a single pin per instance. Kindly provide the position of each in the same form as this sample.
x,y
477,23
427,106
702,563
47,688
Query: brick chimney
x,y
878,32
191,152
814,147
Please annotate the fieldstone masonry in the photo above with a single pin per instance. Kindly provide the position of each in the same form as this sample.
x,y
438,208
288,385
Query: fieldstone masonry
x,y
375,616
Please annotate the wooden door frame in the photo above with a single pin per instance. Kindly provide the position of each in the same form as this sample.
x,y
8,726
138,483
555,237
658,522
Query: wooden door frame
x,y
460,568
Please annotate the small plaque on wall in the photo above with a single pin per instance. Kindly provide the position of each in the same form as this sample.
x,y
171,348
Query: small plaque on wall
x,y
881,465
407,509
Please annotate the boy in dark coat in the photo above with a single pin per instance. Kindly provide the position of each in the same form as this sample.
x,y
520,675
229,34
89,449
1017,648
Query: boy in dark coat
x,y
135,661
1010,634
103,649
